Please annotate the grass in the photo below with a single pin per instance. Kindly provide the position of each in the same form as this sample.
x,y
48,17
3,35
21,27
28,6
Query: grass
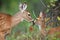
x,y
29,35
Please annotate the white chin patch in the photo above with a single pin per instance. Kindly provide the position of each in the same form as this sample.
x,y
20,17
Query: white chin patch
x,y
22,19
26,20
39,27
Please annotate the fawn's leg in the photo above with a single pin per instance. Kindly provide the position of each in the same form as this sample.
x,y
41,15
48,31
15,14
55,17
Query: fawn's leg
x,y
8,33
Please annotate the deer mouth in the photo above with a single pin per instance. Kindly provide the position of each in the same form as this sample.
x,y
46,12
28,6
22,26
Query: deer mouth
x,y
33,23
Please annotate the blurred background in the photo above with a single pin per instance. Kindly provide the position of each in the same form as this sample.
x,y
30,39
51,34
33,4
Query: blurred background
x,y
11,6
49,7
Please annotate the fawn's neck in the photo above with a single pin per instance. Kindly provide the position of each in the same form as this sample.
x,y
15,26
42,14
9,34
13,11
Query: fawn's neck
x,y
17,18
42,28
39,27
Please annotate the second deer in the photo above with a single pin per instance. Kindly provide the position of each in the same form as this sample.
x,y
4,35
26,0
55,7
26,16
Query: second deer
x,y
40,21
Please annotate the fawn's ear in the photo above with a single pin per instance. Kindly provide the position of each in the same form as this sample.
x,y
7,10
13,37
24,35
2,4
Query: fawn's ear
x,y
41,14
22,7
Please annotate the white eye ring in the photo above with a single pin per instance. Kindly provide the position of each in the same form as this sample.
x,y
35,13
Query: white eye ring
x,y
28,13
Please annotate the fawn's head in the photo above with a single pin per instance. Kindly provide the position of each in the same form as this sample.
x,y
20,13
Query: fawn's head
x,y
40,19
25,14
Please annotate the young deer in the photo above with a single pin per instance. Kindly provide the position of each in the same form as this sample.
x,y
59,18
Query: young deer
x,y
8,21
40,21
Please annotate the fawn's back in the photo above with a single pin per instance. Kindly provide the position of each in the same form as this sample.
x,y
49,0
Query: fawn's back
x,y
54,30
5,21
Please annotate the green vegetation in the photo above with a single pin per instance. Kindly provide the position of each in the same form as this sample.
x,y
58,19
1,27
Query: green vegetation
x,y
21,31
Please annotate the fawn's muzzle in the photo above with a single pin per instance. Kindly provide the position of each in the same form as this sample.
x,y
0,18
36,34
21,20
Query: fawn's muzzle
x,y
33,23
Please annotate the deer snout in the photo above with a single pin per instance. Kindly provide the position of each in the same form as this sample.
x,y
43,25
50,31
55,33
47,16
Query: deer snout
x,y
36,22
33,23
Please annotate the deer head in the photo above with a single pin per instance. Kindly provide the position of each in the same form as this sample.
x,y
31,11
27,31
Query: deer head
x,y
40,20
23,14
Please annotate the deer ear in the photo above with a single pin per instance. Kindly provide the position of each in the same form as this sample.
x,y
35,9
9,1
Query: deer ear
x,y
22,7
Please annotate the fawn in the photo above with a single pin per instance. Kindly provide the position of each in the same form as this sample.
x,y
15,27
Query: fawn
x,y
7,21
40,21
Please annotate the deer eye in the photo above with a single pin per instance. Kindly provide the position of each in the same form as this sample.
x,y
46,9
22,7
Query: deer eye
x,y
28,14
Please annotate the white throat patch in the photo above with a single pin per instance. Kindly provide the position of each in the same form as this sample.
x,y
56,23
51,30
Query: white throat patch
x,y
39,27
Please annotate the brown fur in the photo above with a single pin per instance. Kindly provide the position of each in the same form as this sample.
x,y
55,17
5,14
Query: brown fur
x,y
5,24
55,30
